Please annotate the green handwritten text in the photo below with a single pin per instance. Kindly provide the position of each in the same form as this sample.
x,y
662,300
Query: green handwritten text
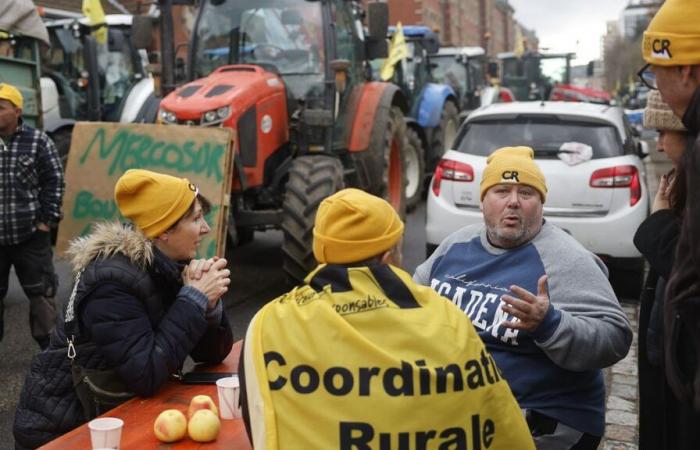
x,y
129,150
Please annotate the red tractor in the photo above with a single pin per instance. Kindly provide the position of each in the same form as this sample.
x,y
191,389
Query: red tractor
x,y
292,79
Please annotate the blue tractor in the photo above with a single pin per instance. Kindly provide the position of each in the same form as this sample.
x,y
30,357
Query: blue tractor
x,y
433,117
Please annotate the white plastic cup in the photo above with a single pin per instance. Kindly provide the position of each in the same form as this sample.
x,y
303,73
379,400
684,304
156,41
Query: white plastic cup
x,y
229,390
106,432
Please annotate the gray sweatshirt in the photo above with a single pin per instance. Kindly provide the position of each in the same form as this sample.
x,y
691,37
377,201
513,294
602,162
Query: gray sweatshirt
x,y
554,370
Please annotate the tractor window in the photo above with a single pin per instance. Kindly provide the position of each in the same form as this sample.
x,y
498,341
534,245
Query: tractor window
x,y
65,65
477,74
447,70
284,36
116,72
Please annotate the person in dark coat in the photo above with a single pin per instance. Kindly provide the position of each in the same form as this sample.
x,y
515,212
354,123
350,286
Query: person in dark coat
x,y
139,306
671,48
656,239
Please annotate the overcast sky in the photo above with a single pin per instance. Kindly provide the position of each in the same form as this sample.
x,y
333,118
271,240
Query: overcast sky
x,y
560,23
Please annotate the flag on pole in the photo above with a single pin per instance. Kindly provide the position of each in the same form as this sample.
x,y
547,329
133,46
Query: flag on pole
x,y
96,16
398,50
519,42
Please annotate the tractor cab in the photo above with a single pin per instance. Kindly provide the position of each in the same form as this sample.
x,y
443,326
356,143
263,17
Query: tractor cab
x,y
93,74
415,71
464,70
96,84
532,76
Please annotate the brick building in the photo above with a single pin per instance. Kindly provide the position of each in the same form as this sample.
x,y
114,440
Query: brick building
x,y
486,23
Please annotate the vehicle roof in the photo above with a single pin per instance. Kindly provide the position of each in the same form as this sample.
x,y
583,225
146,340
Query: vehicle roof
x,y
571,110
110,19
467,51
506,55
413,30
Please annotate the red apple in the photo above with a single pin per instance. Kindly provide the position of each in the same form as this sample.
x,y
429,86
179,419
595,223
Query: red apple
x,y
170,426
201,402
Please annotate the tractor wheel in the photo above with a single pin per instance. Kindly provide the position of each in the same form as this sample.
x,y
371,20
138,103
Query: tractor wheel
x,y
415,168
311,179
61,139
444,134
382,167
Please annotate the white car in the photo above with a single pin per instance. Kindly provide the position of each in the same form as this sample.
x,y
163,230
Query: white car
x,y
600,200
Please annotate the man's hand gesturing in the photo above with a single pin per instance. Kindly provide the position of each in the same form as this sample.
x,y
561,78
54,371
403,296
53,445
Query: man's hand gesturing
x,y
529,308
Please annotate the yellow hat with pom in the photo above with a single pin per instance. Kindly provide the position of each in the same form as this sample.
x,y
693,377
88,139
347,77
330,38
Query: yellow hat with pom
x,y
352,226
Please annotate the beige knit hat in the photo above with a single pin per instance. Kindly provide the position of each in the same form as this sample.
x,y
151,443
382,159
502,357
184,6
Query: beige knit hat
x,y
659,116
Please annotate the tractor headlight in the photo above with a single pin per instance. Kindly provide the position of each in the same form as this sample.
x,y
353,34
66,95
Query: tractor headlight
x,y
224,112
216,115
167,116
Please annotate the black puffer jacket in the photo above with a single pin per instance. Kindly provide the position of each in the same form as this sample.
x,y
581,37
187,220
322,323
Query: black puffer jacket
x,y
132,315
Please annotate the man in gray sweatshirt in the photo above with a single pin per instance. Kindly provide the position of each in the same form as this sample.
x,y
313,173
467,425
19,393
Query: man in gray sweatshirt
x,y
541,303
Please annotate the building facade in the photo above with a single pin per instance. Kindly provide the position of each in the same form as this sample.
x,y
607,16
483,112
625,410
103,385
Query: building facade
x,y
486,23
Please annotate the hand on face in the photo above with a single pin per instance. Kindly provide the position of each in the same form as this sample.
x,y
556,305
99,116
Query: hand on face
x,y
661,198
210,276
526,306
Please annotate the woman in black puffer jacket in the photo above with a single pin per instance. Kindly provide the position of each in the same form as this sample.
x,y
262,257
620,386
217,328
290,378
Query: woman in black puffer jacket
x,y
140,305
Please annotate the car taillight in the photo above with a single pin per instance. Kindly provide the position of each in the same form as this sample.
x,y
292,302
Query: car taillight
x,y
619,177
448,169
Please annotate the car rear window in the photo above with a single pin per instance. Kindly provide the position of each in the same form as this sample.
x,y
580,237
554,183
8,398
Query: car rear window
x,y
545,136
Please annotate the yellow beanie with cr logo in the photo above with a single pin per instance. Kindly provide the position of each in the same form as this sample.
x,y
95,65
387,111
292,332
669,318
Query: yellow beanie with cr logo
x,y
673,36
352,225
153,201
11,94
513,165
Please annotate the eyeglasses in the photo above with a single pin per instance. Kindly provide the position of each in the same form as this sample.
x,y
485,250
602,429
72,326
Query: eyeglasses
x,y
648,77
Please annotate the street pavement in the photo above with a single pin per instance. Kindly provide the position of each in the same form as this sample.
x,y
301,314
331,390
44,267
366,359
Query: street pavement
x,y
257,278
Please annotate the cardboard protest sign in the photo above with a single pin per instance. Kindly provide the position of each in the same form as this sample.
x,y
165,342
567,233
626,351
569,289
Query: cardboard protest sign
x,y
101,152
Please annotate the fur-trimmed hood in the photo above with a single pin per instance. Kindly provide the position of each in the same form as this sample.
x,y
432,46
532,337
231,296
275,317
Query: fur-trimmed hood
x,y
107,239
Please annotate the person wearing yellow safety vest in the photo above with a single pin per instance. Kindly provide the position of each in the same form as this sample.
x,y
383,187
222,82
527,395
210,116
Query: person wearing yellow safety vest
x,y
361,357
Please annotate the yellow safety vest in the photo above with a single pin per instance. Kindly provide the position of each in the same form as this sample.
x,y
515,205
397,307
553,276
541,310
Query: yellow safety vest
x,y
364,358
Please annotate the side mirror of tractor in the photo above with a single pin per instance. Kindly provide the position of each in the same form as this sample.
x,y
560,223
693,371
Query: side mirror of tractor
x,y
141,31
493,69
378,20
341,68
377,49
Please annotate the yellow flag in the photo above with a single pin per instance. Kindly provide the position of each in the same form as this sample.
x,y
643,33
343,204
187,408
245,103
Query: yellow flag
x,y
398,50
519,42
96,15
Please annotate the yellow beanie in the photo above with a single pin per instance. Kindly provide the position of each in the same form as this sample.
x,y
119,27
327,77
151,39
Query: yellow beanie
x,y
352,225
11,93
153,201
673,36
513,165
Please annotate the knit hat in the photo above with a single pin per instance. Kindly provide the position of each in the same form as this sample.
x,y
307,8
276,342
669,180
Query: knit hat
x,y
659,116
352,225
673,36
11,93
513,165
153,201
